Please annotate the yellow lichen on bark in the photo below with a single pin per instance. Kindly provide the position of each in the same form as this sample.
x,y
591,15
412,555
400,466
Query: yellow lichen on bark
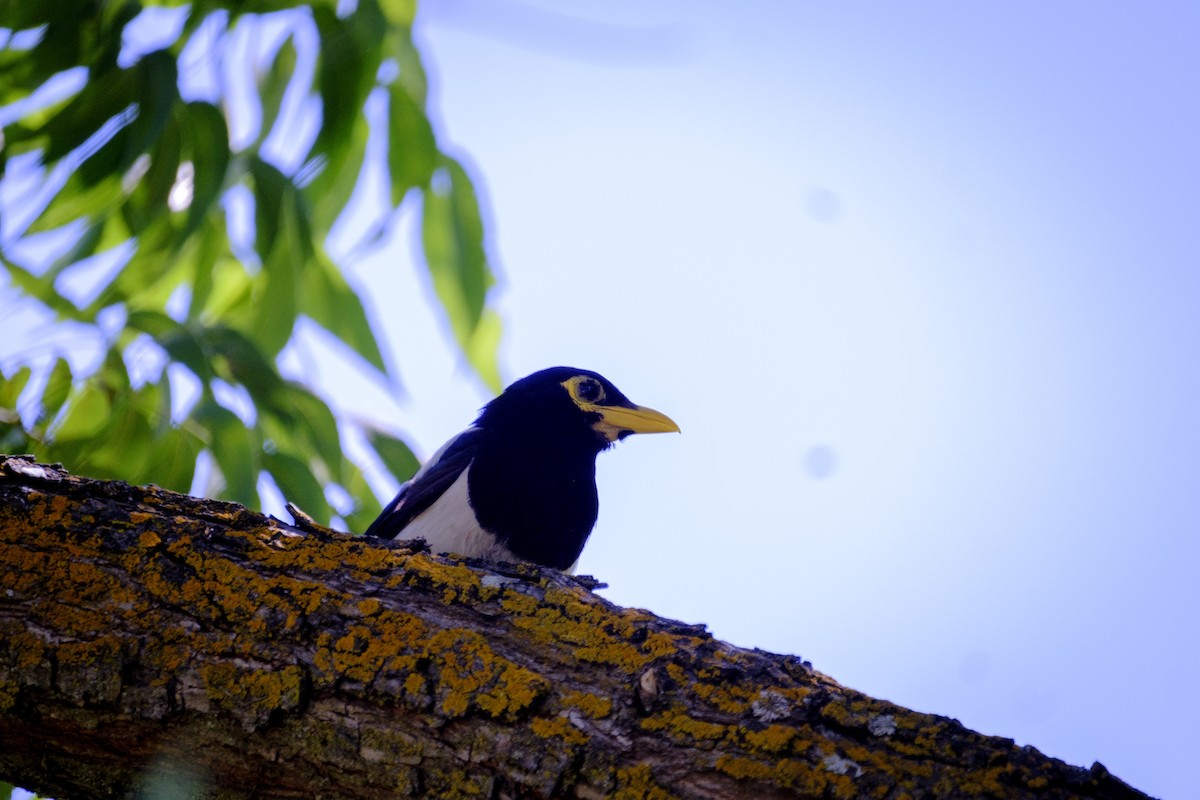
x,y
557,728
471,675
593,705
638,783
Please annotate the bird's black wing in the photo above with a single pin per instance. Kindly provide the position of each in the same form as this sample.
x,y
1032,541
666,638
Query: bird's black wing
x,y
427,485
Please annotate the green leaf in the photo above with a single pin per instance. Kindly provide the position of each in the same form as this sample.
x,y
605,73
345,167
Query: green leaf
x,y
42,289
179,341
332,304
273,86
159,405
207,248
150,275
276,201
349,57
157,93
483,348
113,372
312,422
58,388
101,44
276,301
238,359
412,75
399,13
65,27
239,318
298,484
160,259
114,232
122,448
206,137
452,233
11,388
172,463
113,156
79,199
234,450
87,414
148,200
106,94
232,291
330,190
86,245
155,323
13,437
366,506
20,16
152,399
395,454
412,149
284,243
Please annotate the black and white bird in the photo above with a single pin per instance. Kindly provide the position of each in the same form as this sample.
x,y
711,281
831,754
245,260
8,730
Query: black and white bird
x,y
520,484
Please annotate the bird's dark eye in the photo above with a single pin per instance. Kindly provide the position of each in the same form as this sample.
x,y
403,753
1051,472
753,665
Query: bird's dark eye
x,y
589,391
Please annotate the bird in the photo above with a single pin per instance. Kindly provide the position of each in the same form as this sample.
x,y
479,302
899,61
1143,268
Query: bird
x,y
520,483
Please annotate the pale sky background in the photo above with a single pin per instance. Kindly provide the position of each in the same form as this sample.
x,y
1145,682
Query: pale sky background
x,y
920,283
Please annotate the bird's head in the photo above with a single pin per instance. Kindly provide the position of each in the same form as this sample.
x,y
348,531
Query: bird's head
x,y
568,401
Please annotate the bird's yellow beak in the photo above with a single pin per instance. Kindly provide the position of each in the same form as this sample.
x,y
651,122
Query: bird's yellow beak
x,y
616,422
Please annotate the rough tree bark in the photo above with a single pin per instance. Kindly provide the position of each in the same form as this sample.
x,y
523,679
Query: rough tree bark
x,y
150,637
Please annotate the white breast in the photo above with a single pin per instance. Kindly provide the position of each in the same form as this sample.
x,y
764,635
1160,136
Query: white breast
x,y
449,526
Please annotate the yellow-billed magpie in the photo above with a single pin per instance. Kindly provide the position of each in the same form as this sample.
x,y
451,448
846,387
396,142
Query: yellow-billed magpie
x,y
520,484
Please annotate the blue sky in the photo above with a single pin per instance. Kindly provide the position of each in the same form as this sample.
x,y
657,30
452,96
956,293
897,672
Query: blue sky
x,y
920,284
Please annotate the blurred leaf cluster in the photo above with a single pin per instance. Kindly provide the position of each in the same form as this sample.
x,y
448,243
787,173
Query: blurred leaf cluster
x,y
130,167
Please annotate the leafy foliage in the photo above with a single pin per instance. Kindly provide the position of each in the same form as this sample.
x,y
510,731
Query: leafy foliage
x,y
138,168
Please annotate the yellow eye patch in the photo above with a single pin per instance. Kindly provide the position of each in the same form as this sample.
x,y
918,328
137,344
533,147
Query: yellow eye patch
x,y
585,391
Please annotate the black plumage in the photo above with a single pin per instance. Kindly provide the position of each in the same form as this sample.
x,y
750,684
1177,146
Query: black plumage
x,y
520,484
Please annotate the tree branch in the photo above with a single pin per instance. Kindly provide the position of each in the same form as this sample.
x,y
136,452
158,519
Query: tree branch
x,y
147,636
